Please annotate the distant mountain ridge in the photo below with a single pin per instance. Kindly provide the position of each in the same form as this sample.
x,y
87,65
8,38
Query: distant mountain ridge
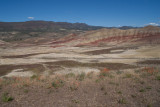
x,y
50,26
44,26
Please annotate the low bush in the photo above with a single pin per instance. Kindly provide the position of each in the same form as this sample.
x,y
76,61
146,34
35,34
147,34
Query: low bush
x,y
74,86
81,76
58,83
104,73
119,72
142,90
90,75
34,76
75,101
127,75
26,91
122,101
158,77
69,75
6,97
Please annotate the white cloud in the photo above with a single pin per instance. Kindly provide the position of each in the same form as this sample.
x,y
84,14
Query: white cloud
x,y
154,24
30,17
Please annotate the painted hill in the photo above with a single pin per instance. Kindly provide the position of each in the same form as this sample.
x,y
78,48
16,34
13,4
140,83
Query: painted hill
x,y
146,35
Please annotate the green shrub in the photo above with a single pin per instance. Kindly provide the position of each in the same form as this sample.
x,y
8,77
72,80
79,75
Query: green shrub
x,y
113,83
6,97
73,87
158,77
119,92
105,93
58,83
119,72
54,84
34,76
75,101
149,105
81,76
103,74
69,75
122,101
97,80
26,91
137,71
142,90
149,87
133,96
141,82
102,88
90,75
128,75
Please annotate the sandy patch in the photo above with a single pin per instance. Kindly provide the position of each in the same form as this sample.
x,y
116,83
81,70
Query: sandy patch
x,y
19,73
77,70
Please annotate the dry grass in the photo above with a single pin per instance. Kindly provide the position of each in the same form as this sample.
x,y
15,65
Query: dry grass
x,y
82,90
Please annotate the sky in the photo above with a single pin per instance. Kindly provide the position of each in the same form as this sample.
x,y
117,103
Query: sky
x,y
106,13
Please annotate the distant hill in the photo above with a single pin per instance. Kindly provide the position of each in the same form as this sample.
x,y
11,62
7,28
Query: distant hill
x,y
128,27
44,26
103,37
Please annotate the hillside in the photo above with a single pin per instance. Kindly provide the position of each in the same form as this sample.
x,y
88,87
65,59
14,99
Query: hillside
x,y
17,31
103,37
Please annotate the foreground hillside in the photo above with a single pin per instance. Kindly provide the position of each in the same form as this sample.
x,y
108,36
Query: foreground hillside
x,y
123,88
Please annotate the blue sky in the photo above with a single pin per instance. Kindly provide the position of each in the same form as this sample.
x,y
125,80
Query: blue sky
x,y
92,12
